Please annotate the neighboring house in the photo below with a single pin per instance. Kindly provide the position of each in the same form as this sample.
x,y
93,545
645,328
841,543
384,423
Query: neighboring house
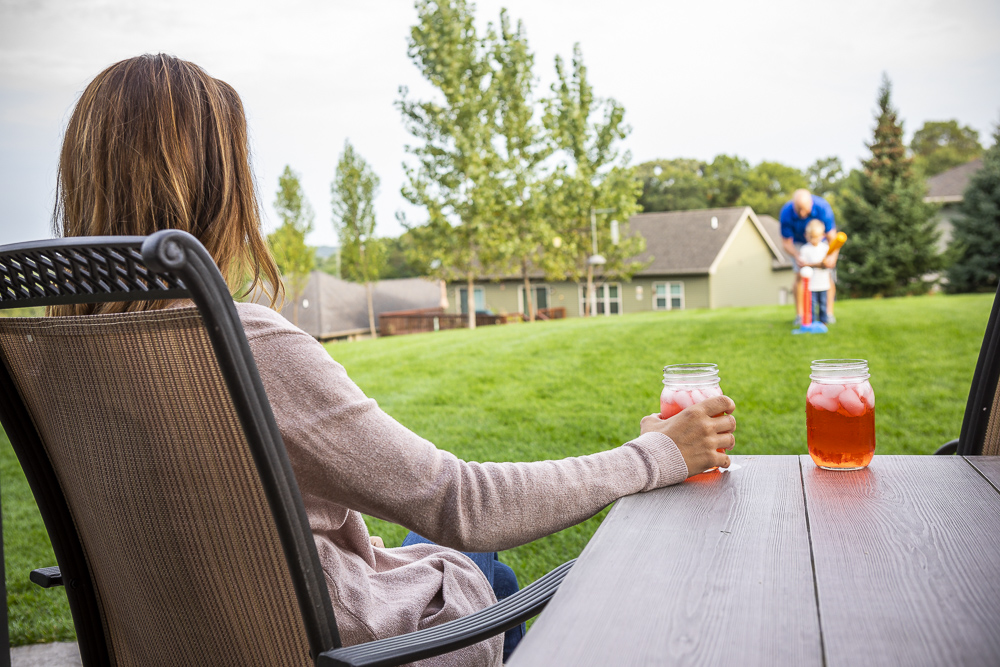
x,y
330,308
710,258
948,189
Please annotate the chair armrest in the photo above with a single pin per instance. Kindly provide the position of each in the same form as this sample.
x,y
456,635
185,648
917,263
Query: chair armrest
x,y
451,636
47,577
950,447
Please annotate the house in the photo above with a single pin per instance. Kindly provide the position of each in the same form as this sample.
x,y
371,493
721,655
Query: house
x,y
948,189
710,258
330,308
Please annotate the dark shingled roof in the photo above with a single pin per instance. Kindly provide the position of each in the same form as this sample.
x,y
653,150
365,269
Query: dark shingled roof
x,y
684,242
948,186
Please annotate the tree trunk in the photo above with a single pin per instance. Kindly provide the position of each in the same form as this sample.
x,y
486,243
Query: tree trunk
x,y
470,300
529,304
371,311
591,306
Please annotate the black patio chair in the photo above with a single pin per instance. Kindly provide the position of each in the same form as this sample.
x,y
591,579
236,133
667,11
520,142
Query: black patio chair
x,y
152,452
980,434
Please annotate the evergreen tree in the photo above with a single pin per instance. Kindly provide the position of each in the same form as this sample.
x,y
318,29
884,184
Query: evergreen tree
x,y
975,243
294,258
361,254
892,234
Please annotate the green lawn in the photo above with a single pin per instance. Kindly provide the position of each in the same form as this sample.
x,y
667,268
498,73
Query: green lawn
x,y
571,387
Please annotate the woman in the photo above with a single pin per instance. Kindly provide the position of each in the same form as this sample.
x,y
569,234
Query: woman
x,y
155,143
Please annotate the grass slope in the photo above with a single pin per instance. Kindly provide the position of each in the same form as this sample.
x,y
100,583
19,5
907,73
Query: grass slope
x,y
572,387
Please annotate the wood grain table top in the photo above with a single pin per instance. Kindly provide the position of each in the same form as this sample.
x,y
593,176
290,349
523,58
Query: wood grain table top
x,y
781,563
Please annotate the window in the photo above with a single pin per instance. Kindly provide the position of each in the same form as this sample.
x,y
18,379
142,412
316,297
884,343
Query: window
x,y
609,299
463,299
539,298
668,296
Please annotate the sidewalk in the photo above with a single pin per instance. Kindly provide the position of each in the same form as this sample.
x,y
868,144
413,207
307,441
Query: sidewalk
x,y
58,654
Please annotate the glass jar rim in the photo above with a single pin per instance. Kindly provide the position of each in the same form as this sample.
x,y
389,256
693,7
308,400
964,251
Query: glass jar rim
x,y
832,370
691,374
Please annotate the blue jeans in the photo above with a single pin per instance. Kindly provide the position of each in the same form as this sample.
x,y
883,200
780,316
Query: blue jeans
x,y
501,578
819,306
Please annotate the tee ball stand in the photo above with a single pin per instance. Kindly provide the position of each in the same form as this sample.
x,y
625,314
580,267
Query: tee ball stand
x,y
808,326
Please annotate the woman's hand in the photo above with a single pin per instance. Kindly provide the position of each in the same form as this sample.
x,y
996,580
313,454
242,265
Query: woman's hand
x,y
376,541
697,433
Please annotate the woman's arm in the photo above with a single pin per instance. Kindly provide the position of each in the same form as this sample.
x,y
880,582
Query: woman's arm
x,y
345,449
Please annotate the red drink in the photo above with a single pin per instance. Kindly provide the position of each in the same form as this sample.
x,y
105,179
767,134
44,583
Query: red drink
x,y
685,385
840,417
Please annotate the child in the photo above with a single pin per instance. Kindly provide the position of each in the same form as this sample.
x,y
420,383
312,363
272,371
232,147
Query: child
x,y
812,254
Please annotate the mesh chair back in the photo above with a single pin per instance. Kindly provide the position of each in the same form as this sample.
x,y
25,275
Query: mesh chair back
x,y
142,435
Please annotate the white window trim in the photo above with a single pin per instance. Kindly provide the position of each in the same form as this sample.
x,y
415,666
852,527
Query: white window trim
x,y
666,287
607,300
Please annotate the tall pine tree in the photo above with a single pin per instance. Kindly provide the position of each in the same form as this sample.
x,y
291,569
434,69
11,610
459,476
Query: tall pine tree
x,y
975,243
892,234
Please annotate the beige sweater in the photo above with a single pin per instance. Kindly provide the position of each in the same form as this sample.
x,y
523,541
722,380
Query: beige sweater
x,y
349,457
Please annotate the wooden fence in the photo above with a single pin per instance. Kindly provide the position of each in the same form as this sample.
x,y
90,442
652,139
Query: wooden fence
x,y
434,319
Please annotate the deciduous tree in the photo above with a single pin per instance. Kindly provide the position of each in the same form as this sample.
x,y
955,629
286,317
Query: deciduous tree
x,y
941,145
593,175
454,150
353,192
295,259
672,185
769,185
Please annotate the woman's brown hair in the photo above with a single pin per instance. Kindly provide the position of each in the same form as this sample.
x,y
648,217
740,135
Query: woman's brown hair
x,y
156,143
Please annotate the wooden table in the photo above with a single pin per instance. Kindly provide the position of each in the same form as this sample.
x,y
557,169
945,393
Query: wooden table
x,y
781,563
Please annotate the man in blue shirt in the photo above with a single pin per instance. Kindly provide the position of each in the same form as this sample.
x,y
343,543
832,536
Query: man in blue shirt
x,y
795,215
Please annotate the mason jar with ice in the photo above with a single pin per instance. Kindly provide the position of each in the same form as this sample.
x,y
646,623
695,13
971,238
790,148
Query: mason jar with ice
x,y
687,384
840,414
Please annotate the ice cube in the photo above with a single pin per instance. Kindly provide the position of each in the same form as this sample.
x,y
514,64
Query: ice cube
x,y
683,399
850,401
712,391
831,390
821,402
867,394
697,396
813,390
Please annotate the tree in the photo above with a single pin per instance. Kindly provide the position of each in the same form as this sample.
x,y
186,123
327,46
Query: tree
x,y
769,185
294,258
726,178
975,242
353,193
941,145
672,185
521,149
892,231
400,259
455,154
828,180
591,178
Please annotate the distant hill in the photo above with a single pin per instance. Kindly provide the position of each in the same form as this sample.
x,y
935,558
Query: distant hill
x,y
324,251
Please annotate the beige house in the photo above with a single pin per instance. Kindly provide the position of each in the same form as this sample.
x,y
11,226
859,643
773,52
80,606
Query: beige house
x,y
948,189
710,258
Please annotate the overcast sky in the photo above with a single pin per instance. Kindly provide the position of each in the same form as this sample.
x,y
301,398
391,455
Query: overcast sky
x,y
786,80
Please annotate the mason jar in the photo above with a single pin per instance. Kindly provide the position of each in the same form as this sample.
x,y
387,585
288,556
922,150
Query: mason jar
x,y
840,414
685,385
